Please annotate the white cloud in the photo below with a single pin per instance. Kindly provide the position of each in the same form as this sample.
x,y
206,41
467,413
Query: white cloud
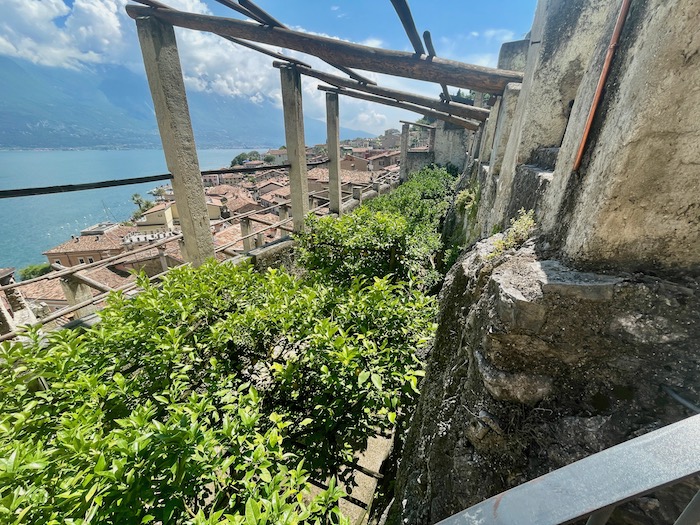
x,y
499,35
335,7
372,42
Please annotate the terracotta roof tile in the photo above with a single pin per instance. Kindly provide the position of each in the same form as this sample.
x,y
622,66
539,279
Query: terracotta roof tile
x,y
111,240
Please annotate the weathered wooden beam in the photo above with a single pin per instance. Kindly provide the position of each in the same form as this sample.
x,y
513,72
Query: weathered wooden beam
x,y
164,73
409,25
453,108
264,51
431,53
296,147
333,147
398,63
468,124
428,126
259,12
239,9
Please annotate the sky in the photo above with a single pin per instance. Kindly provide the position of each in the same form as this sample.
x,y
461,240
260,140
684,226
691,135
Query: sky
x,y
79,34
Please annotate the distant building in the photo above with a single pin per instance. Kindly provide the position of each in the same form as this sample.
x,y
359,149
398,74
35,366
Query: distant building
x,y
382,160
353,163
280,156
95,243
159,218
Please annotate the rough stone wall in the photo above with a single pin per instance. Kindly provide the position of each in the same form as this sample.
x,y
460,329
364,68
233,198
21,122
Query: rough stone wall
x,y
536,365
417,160
450,145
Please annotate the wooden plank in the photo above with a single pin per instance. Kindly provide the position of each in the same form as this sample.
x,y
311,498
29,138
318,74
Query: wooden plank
x,y
468,124
409,25
431,53
428,126
452,108
398,63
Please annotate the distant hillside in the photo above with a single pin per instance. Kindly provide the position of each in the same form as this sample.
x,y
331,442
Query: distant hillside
x,y
110,106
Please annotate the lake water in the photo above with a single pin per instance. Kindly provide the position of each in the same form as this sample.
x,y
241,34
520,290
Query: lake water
x,y
31,225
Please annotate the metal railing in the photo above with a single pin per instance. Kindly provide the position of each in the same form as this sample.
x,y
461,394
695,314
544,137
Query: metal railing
x,y
594,486
129,254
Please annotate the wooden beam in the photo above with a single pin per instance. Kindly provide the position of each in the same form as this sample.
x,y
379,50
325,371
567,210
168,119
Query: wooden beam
x,y
431,53
409,25
428,126
164,73
453,108
398,63
333,147
468,124
296,147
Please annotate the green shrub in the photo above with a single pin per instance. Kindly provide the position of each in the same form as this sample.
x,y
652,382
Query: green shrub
x,y
204,400
395,234
34,270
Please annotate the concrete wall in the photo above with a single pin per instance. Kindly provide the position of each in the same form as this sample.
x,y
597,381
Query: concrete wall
x,y
564,37
635,203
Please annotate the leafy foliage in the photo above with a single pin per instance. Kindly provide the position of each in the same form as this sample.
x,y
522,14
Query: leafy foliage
x,y
204,400
34,270
394,234
242,157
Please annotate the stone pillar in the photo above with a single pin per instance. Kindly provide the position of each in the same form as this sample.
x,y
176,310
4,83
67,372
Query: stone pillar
x,y
260,239
333,146
431,139
21,311
296,147
77,292
162,62
403,172
245,233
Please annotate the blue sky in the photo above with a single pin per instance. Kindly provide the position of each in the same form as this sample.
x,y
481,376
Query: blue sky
x,y
81,33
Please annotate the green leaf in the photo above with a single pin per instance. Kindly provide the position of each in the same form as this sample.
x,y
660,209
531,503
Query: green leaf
x,y
363,377
252,511
377,381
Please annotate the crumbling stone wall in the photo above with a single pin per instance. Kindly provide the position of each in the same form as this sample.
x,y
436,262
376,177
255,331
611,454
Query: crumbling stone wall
x,y
536,365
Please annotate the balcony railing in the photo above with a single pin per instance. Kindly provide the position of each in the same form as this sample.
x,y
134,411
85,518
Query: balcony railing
x,y
594,486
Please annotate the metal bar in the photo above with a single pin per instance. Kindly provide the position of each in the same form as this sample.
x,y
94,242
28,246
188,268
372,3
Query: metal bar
x,y
66,188
409,25
468,124
431,53
267,18
691,514
683,401
601,517
611,477
398,63
267,52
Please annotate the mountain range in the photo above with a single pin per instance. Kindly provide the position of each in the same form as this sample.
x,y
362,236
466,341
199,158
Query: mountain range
x,y
109,106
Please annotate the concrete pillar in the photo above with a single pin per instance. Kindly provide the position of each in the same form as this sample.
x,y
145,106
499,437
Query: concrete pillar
x,y
162,259
333,146
76,292
296,146
431,139
22,313
403,172
513,55
245,233
260,240
7,323
162,62
504,124
357,193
